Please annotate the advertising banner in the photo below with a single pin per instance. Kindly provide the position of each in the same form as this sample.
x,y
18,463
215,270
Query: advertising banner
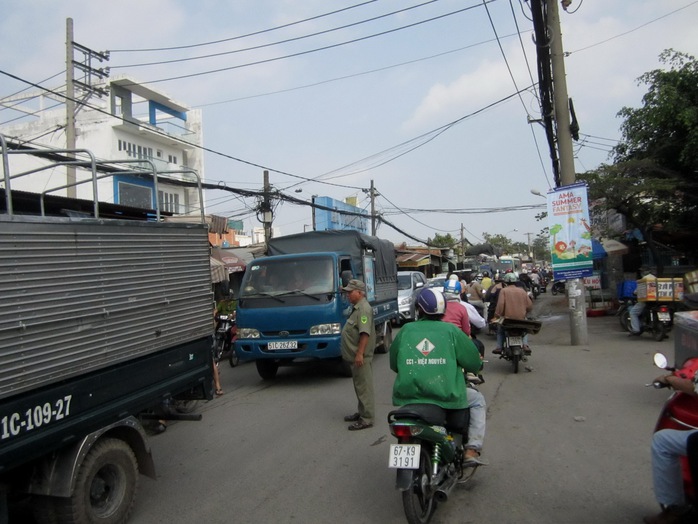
x,y
570,232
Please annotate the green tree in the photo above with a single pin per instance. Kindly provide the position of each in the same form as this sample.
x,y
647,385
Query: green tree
x,y
443,240
652,180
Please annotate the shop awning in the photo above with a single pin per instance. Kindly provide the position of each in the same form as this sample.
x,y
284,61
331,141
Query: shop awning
x,y
413,260
218,271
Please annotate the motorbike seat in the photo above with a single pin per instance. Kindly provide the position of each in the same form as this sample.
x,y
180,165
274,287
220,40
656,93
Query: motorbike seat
x,y
451,419
429,413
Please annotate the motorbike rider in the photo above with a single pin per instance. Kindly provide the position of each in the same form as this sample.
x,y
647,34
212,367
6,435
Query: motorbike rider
x,y
455,313
429,357
668,446
452,293
476,295
526,279
513,302
535,278
486,281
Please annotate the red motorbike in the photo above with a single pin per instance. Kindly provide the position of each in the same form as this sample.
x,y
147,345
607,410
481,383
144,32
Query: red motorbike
x,y
681,412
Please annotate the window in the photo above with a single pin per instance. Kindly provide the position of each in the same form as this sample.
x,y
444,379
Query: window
x,y
169,202
135,195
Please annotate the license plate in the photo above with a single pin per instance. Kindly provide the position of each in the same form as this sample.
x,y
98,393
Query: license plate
x,y
664,317
515,341
286,344
404,456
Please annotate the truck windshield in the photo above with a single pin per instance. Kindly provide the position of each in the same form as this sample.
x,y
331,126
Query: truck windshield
x,y
306,276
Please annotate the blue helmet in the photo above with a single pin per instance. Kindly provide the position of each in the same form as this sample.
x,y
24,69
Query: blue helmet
x,y
432,302
452,287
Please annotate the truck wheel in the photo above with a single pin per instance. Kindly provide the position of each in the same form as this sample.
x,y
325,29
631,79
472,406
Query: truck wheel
x,y
267,369
105,488
387,339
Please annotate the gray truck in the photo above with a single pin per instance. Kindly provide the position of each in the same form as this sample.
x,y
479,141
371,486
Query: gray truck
x,y
101,322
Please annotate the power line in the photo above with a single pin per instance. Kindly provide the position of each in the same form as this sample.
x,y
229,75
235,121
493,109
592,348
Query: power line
x,y
310,51
290,24
632,30
271,44
336,79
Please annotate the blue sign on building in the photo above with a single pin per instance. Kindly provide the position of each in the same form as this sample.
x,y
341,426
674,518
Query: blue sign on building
x,y
333,220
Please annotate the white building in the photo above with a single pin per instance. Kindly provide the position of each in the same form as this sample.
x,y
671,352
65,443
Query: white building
x,y
134,123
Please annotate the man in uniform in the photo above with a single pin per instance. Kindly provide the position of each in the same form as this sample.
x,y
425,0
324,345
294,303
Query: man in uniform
x,y
358,343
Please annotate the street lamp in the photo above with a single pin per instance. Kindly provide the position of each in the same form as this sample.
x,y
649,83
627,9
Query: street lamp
x,y
512,231
538,193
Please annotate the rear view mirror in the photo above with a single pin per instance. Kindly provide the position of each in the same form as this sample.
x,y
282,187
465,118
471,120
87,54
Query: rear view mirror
x,y
660,361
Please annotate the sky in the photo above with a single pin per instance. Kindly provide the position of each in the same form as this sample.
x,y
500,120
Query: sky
x,y
417,97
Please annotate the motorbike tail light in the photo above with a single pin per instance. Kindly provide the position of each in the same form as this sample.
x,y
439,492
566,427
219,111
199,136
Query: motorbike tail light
x,y
664,309
404,430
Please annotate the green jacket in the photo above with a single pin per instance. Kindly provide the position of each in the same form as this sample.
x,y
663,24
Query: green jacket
x,y
428,357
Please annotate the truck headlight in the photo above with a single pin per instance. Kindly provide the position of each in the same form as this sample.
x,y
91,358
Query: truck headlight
x,y
326,329
248,333
405,301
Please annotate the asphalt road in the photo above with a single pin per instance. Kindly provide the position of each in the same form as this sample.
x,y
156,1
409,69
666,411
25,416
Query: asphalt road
x,y
567,442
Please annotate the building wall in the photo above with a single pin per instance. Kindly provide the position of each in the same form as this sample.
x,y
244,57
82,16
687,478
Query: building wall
x,y
111,138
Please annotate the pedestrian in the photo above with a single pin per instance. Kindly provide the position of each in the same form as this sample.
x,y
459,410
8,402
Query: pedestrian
x,y
358,343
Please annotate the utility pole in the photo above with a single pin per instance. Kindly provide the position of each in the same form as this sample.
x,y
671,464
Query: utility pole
x,y
89,75
69,106
530,253
575,287
266,208
462,246
373,210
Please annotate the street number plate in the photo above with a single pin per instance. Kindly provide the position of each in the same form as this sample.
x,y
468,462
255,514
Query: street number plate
x,y
664,317
286,344
515,341
404,456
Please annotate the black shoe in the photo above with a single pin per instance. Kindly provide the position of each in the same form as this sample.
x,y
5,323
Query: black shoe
x,y
352,418
635,333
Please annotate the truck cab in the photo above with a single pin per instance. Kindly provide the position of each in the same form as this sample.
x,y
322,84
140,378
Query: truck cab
x,y
291,306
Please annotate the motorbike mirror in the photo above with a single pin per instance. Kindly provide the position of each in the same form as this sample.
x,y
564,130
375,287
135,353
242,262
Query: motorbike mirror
x,y
660,361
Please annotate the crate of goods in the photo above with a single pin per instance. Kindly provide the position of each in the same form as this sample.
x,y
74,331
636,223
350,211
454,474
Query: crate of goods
x,y
685,336
660,289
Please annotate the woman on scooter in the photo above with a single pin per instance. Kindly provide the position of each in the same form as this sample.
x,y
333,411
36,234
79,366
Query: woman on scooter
x,y
668,446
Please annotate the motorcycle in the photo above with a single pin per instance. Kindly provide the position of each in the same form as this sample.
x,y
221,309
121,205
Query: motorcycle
x,y
226,333
623,314
657,319
428,456
543,284
558,287
514,330
681,412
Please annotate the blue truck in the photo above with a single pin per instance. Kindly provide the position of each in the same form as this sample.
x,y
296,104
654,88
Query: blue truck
x,y
291,308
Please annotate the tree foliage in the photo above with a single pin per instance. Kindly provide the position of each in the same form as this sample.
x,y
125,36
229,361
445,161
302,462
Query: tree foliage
x,y
652,180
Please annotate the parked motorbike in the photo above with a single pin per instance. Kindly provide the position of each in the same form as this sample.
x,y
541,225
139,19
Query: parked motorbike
x,y
226,333
623,314
513,348
558,287
657,319
428,456
680,412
